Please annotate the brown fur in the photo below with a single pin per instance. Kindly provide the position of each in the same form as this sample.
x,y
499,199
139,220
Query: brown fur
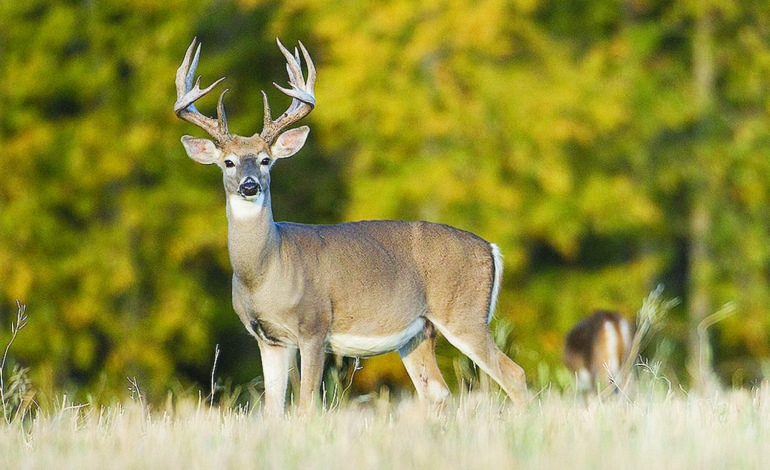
x,y
360,288
597,346
372,278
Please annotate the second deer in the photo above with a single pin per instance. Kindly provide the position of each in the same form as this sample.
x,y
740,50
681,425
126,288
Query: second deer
x,y
596,347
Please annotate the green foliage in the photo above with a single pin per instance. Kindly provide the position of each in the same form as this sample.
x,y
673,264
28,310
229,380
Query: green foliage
x,y
570,134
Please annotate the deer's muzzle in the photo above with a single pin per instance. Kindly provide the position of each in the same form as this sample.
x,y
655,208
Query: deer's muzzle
x,y
249,187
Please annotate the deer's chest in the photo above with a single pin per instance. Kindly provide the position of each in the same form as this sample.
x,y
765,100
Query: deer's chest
x,y
270,332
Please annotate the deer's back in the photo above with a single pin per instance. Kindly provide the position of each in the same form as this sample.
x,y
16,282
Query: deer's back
x,y
400,266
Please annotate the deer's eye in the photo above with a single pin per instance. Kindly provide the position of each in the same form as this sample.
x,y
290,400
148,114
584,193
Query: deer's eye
x,y
265,161
229,163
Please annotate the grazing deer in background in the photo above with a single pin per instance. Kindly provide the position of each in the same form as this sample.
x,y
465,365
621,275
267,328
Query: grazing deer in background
x,y
596,348
355,289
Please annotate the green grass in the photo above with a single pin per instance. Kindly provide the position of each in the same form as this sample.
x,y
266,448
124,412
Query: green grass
x,y
477,430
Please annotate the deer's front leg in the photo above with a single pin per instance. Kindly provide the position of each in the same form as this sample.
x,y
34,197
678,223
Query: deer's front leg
x,y
276,361
312,365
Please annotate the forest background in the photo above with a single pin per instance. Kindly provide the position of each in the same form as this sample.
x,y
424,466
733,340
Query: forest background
x,y
606,146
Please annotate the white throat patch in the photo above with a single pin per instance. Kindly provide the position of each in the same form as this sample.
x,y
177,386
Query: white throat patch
x,y
241,208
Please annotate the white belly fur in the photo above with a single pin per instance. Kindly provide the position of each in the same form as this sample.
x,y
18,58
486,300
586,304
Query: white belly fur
x,y
356,345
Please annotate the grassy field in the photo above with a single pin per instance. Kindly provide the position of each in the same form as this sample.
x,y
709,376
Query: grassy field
x,y
650,423
477,430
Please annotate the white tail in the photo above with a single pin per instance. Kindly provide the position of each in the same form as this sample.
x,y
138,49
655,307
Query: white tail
x,y
596,347
498,279
355,289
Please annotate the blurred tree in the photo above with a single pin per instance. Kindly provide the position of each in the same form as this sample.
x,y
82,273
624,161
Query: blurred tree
x,y
482,115
598,143
113,237
604,146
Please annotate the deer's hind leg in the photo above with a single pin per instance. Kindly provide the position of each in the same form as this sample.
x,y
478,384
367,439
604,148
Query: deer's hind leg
x,y
475,341
419,357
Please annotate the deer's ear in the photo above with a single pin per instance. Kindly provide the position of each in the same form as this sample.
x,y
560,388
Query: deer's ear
x,y
289,143
201,150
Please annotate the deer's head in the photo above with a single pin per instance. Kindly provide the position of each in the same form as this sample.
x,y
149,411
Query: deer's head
x,y
245,161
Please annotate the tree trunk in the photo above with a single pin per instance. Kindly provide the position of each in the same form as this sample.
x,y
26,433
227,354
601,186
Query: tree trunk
x,y
700,265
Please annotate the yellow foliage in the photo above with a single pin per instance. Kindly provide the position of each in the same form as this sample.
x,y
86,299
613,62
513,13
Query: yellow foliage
x,y
84,351
565,135
20,278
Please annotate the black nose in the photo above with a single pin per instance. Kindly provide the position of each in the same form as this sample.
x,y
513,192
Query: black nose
x,y
249,187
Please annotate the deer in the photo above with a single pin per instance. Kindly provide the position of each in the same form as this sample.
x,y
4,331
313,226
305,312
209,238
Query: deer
x,y
354,289
596,347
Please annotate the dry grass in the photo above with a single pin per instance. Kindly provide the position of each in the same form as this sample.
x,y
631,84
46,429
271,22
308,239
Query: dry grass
x,y
730,430
648,424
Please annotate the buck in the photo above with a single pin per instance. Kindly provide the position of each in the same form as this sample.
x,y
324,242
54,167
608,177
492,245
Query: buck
x,y
354,289
596,347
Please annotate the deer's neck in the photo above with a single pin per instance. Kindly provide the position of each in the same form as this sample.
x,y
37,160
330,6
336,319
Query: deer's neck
x,y
253,239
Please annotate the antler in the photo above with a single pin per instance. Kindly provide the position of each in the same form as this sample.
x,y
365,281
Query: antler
x,y
302,93
187,95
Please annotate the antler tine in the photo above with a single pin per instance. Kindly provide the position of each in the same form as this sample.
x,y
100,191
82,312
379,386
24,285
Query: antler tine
x,y
221,115
301,92
183,75
292,65
187,94
311,74
310,67
268,118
